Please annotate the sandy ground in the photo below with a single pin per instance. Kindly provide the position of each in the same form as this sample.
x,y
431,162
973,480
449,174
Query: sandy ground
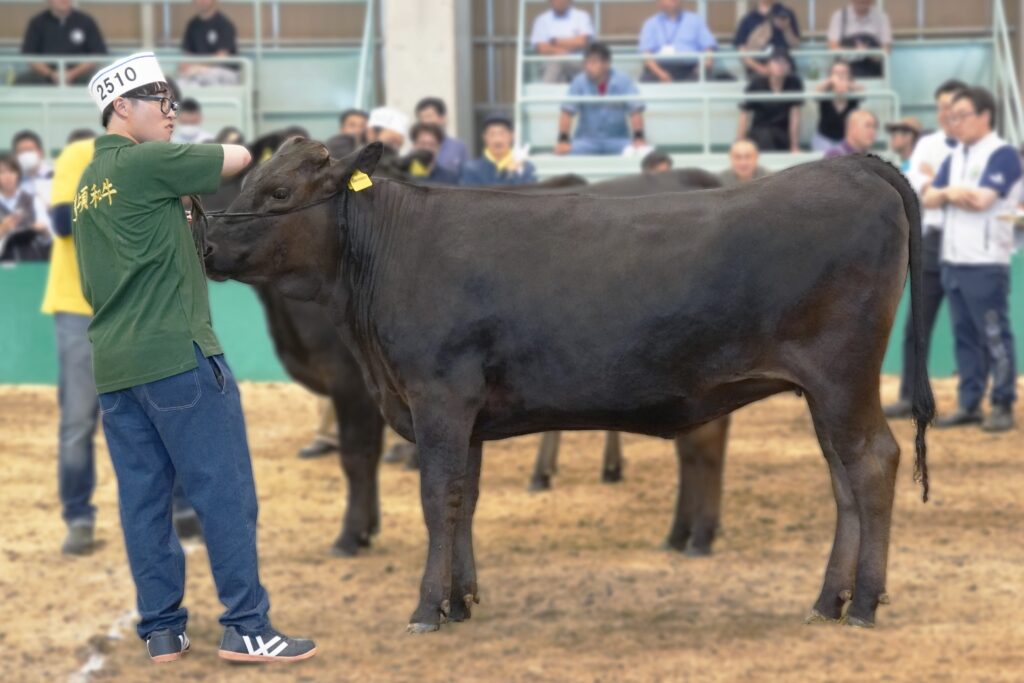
x,y
573,585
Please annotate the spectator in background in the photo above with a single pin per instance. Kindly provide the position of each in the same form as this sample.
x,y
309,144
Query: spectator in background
x,y
189,125
743,166
562,30
209,34
929,154
61,30
24,224
670,32
229,135
903,136
862,26
656,162
427,142
769,25
861,134
602,128
773,125
832,114
36,171
500,164
977,186
388,126
79,134
353,123
453,154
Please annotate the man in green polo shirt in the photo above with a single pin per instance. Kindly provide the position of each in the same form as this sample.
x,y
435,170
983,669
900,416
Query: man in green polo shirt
x,y
169,402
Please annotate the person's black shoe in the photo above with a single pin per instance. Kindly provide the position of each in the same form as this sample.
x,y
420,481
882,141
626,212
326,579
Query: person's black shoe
x,y
317,449
166,646
960,418
269,646
899,410
999,420
79,540
186,525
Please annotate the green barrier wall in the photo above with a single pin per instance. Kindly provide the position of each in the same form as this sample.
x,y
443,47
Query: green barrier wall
x,y
27,353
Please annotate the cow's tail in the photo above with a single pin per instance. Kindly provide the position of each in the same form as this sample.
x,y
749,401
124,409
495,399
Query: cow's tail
x,y
923,400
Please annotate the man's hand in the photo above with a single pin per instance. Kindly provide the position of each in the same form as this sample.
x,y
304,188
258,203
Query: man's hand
x,y
926,169
10,223
563,147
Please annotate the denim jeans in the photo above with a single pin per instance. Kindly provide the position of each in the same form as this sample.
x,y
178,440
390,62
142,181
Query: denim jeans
x,y
79,415
190,425
583,145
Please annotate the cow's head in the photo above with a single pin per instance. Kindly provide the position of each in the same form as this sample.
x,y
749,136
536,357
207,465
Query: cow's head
x,y
293,239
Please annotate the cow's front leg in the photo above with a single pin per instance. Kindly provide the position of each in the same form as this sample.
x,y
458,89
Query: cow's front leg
x,y
547,462
611,470
360,437
464,587
701,455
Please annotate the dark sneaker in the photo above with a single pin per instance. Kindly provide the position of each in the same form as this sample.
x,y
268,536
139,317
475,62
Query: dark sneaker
x,y
269,646
898,410
999,420
960,418
79,540
166,646
317,449
186,525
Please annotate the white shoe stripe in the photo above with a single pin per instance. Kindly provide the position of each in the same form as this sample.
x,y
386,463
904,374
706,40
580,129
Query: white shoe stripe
x,y
279,650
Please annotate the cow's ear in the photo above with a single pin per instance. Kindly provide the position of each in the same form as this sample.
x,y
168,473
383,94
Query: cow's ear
x,y
357,167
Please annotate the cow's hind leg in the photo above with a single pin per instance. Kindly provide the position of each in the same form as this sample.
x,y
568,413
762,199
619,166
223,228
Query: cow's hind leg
x,y
464,587
863,457
701,456
547,462
611,471
361,438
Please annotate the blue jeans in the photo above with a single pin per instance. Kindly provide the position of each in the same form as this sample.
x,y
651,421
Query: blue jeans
x,y
589,145
189,425
979,302
79,415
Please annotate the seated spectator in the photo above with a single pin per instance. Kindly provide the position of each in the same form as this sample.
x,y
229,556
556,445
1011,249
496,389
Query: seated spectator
x,y
24,223
602,128
429,138
832,113
656,162
453,152
61,30
670,32
189,125
903,137
500,164
775,124
353,122
861,132
861,26
36,171
769,25
562,30
209,34
743,166
80,134
388,126
229,135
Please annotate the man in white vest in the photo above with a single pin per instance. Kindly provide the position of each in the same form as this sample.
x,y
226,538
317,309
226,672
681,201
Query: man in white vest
x,y
977,187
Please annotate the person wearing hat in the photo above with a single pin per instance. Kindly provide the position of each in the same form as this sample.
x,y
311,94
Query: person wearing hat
x,y
169,404
500,164
388,126
903,137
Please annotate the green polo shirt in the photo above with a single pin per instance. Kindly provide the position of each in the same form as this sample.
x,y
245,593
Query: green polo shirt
x,y
139,267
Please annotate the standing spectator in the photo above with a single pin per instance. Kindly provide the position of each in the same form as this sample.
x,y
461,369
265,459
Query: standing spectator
x,y
61,30
832,114
656,162
743,166
24,225
861,26
768,25
353,122
775,124
903,136
500,164
861,133
429,138
601,128
189,126
209,34
562,30
929,154
453,154
669,32
36,171
388,126
325,440
977,185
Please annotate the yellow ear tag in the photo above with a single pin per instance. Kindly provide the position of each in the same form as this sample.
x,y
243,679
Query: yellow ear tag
x,y
359,182
418,170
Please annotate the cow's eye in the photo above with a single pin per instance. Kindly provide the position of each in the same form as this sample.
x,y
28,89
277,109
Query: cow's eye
x,y
281,193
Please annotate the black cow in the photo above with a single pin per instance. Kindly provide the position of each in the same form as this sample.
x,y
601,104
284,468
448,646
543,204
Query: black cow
x,y
478,315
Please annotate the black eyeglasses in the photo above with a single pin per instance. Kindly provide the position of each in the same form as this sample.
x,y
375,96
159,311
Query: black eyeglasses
x,y
167,105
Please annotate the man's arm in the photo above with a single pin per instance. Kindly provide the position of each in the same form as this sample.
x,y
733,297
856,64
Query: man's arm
x,y
562,146
236,158
794,128
741,126
636,122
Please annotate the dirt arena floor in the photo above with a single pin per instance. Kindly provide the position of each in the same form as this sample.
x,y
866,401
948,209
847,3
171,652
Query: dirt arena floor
x,y
573,585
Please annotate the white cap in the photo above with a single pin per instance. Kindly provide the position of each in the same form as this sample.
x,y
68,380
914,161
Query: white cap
x,y
123,75
388,119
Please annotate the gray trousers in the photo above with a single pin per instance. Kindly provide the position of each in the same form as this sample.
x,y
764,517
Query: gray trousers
x,y
79,416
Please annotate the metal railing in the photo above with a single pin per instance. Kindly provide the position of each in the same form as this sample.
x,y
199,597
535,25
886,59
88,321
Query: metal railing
x,y
1007,88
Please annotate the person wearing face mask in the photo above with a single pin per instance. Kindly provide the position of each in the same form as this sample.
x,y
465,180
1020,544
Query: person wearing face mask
x,y
24,224
189,127
36,171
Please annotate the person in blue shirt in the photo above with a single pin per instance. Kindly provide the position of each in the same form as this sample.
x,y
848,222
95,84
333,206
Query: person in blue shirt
x,y
428,141
453,152
602,128
499,165
670,32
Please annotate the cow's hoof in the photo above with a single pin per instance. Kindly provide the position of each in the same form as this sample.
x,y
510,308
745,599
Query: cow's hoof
x,y
611,476
416,629
338,550
816,617
462,610
846,595
542,483
856,622
694,550
673,546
